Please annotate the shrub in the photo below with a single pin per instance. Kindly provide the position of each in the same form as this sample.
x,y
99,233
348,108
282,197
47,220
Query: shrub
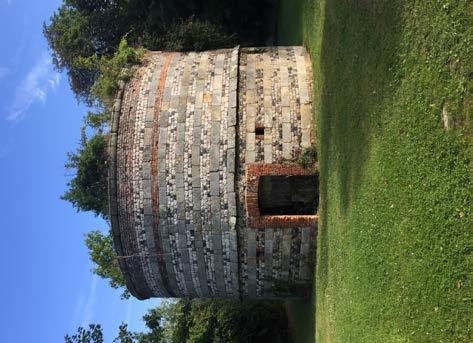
x,y
308,157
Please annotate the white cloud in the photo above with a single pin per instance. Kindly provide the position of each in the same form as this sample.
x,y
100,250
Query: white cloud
x,y
39,81
76,315
89,308
129,313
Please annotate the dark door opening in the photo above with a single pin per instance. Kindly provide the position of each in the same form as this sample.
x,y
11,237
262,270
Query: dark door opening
x,y
288,195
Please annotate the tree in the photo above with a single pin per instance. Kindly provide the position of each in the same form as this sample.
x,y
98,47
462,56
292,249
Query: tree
x,y
154,321
110,69
94,334
84,29
104,257
222,321
125,336
190,34
87,190
210,320
91,335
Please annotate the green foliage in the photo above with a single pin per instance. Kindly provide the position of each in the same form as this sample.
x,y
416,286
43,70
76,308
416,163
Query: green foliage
x,y
91,335
308,157
104,257
82,29
154,321
221,321
87,190
208,321
191,35
111,69
125,336
97,120
94,334
301,318
70,36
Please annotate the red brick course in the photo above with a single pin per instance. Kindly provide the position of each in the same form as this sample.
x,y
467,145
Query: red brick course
x,y
154,168
255,219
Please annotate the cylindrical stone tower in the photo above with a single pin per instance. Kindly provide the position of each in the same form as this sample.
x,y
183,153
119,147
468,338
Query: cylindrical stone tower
x,y
206,196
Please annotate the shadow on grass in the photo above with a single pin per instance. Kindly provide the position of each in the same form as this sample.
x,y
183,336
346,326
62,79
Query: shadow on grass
x,y
358,49
359,44
301,316
290,23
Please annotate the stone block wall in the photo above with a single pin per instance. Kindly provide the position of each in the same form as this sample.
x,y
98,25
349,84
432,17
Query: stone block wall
x,y
175,171
275,125
184,129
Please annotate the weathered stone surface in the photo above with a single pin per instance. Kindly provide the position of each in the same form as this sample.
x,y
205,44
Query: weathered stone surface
x,y
183,130
275,100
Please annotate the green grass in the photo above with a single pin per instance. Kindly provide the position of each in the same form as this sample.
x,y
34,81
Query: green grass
x,y
395,239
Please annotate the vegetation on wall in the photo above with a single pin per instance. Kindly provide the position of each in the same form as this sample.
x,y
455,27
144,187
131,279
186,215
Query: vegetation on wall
x,y
110,70
308,157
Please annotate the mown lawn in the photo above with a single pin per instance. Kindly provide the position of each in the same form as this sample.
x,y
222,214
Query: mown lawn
x,y
395,239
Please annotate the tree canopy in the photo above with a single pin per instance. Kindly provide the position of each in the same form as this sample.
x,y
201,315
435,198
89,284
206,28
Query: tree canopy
x,y
104,257
87,190
221,321
86,28
203,321
92,334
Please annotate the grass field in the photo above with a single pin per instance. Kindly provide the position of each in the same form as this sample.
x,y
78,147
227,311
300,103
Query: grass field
x,y
393,105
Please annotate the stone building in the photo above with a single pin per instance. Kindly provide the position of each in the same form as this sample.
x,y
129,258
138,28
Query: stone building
x,y
206,199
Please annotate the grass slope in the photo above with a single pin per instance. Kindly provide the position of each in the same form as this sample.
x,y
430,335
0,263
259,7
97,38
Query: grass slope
x,y
395,241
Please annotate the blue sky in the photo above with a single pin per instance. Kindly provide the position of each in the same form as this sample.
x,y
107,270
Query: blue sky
x,y
46,283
